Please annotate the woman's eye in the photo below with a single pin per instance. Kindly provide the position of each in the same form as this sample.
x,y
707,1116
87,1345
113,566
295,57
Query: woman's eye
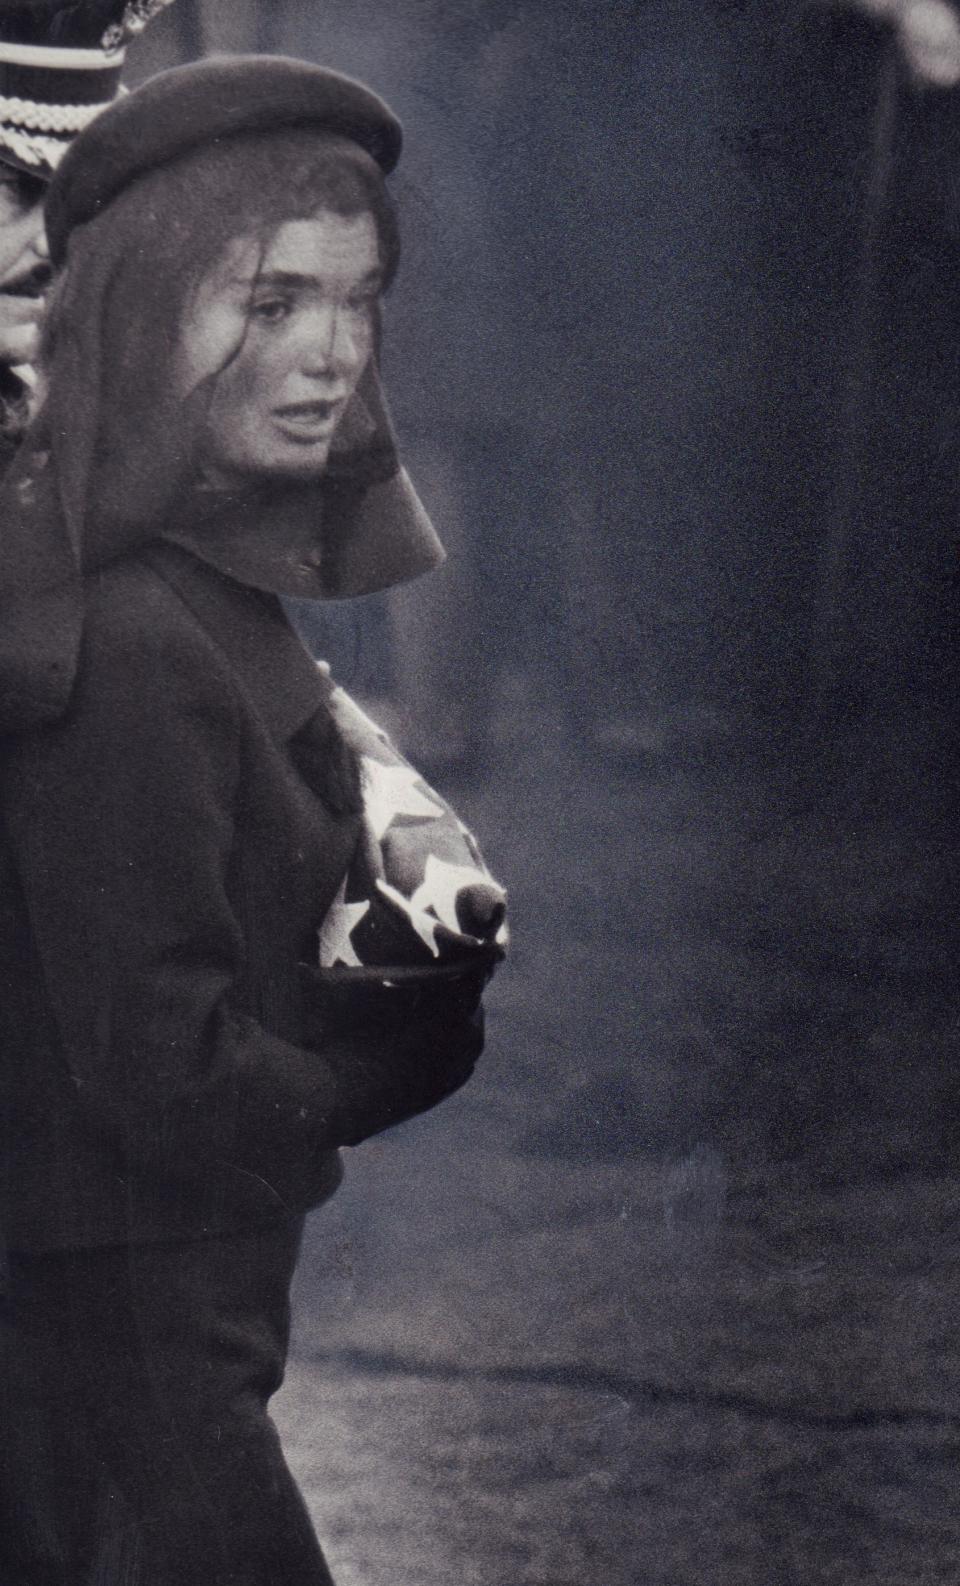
x,y
362,302
271,310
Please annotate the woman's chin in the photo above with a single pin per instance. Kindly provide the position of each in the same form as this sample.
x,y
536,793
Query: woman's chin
x,y
300,464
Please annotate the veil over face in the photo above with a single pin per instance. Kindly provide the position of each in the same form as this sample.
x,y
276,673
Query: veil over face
x,y
110,463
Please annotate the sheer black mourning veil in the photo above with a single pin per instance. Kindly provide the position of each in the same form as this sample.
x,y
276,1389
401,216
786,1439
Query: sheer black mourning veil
x,y
110,463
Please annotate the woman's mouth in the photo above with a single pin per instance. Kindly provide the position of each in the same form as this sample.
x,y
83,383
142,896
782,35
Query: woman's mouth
x,y
307,421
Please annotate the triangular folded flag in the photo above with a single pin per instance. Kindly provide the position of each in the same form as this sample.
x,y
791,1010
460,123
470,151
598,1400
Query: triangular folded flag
x,y
417,890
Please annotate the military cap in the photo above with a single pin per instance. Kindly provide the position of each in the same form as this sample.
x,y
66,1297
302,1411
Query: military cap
x,y
181,109
60,66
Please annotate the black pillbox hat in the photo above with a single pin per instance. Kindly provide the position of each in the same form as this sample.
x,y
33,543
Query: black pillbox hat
x,y
181,109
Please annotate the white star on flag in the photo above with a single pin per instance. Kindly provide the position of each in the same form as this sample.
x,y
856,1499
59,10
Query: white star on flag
x,y
335,944
441,885
392,790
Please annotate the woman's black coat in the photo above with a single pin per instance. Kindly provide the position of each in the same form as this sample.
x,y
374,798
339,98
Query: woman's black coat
x,y
171,845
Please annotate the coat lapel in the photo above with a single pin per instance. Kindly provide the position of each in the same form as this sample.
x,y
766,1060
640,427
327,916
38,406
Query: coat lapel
x,y
288,690
285,685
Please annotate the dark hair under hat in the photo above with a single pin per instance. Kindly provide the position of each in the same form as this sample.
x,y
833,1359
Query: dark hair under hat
x,y
206,101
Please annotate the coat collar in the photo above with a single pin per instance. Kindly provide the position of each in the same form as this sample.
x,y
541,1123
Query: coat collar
x,y
283,682
323,540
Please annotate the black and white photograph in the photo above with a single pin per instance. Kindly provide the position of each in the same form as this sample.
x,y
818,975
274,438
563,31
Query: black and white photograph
x,y
479,751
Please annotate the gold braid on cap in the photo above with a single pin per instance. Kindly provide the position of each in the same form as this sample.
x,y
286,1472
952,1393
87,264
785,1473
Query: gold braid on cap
x,y
133,21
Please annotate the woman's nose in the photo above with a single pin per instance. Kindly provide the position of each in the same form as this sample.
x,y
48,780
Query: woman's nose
x,y
39,243
329,344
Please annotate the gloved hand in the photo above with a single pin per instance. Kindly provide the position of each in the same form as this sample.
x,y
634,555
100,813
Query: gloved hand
x,y
398,1044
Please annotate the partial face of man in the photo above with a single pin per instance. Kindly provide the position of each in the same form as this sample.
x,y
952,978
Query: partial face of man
x,y
23,264
23,246
286,345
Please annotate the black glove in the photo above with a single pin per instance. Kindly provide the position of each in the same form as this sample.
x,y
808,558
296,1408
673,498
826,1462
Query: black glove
x,y
398,1041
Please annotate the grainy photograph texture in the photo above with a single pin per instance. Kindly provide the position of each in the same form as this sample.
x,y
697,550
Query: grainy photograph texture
x,y
479,1094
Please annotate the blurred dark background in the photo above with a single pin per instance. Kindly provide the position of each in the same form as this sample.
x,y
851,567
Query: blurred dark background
x,y
673,357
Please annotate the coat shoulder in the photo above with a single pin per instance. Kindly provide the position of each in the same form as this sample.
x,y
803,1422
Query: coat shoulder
x,y
139,636
129,606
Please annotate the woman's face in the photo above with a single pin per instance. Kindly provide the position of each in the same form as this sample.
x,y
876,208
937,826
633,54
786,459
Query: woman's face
x,y
302,315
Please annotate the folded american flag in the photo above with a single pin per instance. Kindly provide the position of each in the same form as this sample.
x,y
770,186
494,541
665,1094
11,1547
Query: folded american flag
x,y
417,891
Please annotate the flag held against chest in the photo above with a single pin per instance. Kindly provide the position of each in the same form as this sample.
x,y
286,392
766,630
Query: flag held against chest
x,y
417,891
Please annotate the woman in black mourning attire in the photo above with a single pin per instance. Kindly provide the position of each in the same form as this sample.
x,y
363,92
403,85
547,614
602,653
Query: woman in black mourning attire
x,y
180,809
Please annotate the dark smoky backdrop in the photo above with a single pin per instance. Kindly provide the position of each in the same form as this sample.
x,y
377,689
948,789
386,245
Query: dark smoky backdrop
x,y
673,361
